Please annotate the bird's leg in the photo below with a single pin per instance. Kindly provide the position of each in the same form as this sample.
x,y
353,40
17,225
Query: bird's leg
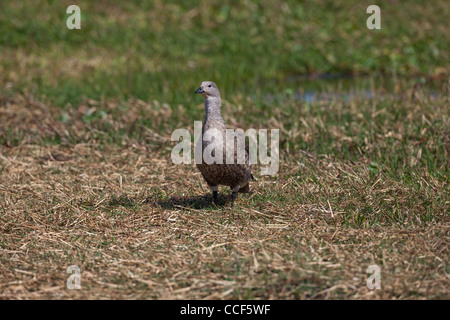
x,y
233,196
214,190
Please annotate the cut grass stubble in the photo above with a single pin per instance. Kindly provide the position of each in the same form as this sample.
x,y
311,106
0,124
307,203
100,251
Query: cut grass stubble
x,y
97,189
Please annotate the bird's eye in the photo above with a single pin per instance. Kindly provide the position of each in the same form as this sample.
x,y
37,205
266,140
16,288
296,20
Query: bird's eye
x,y
209,86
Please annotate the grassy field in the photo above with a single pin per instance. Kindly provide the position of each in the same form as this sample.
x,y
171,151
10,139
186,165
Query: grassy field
x,y
86,177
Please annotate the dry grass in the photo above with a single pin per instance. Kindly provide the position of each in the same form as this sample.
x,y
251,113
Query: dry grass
x,y
139,227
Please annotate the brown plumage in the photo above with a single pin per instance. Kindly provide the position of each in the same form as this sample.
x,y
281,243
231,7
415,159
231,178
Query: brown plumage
x,y
234,175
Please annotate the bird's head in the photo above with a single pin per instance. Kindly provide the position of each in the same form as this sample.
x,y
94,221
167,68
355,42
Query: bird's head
x,y
209,89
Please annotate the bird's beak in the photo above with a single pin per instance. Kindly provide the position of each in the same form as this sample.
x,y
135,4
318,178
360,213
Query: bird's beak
x,y
200,90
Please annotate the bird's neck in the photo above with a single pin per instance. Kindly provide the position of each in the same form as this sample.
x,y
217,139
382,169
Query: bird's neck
x,y
212,108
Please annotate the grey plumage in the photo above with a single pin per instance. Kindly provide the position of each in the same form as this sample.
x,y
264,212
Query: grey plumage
x,y
234,175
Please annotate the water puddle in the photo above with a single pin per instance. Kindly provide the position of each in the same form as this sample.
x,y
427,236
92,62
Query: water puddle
x,y
334,87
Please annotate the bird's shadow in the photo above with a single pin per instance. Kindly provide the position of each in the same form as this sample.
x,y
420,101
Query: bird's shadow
x,y
192,202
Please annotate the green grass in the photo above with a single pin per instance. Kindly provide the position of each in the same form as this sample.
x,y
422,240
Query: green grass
x,y
163,50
